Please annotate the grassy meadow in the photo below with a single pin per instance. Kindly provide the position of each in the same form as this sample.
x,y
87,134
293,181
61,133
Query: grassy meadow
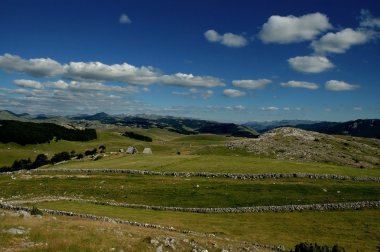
x,y
352,229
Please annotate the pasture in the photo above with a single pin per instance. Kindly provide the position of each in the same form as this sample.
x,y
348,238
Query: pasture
x,y
352,229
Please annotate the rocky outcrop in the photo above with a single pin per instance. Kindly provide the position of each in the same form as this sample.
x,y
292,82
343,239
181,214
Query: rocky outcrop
x,y
296,144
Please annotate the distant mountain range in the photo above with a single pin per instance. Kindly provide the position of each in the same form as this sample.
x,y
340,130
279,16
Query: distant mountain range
x,y
180,125
185,126
266,126
369,128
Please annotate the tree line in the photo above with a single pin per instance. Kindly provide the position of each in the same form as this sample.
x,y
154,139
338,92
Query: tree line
x,y
42,159
35,133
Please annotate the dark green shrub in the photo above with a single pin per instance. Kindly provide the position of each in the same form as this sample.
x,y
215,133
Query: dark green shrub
x,y
102,148
136,136
59,157
36,211
41,160
90,152
309,247
22,164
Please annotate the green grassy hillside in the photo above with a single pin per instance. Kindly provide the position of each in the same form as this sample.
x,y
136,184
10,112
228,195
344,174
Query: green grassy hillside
x,y
352,229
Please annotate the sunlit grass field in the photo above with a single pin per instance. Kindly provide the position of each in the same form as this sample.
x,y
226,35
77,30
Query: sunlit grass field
x,y
352,229
188,192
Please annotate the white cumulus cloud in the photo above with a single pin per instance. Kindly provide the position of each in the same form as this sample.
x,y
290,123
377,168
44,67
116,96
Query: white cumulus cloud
x,y
227,39
310,64
251,84
117,72
189,80
28,84
340,42
85,86
124,19
35,67
60,84
195,93
291,29
271,108
98,72
300,84
233,93
367,20
334,85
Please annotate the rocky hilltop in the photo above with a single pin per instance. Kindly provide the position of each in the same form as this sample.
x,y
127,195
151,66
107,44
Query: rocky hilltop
x,y
297,144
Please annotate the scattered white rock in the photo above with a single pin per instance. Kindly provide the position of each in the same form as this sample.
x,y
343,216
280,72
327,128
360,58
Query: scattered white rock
x,y
23,213
159,248
16,231
154,242
170,242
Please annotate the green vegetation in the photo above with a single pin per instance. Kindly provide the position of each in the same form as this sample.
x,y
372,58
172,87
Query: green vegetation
x,y
350,229
308,247
33,133
188,192
216,163
136,136
61,233
36,211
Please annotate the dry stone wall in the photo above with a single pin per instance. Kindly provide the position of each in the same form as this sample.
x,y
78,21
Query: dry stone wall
x,y
216,175
10,207
253,209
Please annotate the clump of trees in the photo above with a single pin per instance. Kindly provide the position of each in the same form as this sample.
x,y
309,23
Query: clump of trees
x,y
34,133
42,159
59,157
136,136
309,247
90,152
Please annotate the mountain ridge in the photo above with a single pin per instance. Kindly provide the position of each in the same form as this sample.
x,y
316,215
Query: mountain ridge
x,y
369,128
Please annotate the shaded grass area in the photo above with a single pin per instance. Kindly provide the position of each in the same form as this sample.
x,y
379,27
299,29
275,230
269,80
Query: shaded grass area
x,y
112,139
215,163
189,192
73,234
357,229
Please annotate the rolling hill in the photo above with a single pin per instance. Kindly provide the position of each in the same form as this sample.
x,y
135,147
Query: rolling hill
x,y
185,126
369,128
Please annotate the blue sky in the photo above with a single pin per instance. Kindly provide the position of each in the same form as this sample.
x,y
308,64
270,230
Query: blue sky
x,y
232,61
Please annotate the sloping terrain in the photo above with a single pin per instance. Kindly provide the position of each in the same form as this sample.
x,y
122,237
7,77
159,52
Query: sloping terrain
x,y
185,126
297,144
265,126
369,128
33,133
360,128
192,193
